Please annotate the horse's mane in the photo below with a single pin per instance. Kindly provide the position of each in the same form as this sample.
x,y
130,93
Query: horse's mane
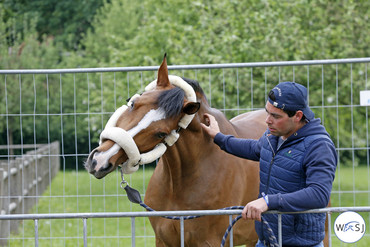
x,y
172,100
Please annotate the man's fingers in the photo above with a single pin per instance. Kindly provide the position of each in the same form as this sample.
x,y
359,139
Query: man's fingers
x,y
250,212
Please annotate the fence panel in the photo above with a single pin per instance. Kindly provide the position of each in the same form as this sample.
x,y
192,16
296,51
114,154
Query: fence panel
x,y
72,106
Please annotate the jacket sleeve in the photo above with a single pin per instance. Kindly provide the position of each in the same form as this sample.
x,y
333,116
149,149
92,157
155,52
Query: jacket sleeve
x,y
243,148
320,163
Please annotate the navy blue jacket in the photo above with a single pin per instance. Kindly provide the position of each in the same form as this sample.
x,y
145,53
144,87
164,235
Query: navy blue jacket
x,y
296,176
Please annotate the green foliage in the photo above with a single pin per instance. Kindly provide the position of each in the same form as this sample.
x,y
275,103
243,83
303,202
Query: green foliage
x,y
193,32
65,20
129,33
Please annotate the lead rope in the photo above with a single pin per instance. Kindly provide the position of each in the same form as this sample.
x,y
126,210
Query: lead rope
x,y
134,197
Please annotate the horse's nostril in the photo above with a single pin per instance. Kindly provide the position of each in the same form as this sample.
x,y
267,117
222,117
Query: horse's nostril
x,y
107,168
93,163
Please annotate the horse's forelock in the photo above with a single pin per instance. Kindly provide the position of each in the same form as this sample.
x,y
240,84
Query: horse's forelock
x,y
171,101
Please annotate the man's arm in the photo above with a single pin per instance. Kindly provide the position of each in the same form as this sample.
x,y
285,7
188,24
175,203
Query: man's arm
x,y
243,148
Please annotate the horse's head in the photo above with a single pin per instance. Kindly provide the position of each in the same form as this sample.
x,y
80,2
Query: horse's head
x,y
139,132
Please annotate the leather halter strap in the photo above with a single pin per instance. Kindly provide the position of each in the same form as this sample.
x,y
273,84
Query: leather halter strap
x,y
126,141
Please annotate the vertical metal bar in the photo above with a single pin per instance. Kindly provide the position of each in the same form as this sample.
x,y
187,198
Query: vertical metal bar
x,y
182,231
237,91
85,232
22,194
367,139
62,154
280,234
252,106
35,142
322,96
209,86
133,244
338,135
223,91
49,158
36,233
329,227
89,138
76,149
279,74
353,142
308,84
265,84
231,231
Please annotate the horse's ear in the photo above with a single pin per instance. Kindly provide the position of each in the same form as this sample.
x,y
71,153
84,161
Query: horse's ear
x,y
191,107
162,80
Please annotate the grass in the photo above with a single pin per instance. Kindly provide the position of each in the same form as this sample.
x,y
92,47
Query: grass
x,y
347,180
72,192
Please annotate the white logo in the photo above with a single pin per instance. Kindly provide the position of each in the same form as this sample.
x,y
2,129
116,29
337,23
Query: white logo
x,y
349,227
279,90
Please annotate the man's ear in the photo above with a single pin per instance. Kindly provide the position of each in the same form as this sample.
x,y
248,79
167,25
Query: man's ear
x,y
191,107
299,115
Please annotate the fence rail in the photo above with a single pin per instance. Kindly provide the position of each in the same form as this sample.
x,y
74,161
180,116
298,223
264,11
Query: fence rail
x,y
189,67
181,214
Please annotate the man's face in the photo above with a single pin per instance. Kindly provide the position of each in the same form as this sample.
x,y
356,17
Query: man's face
x,y
278,122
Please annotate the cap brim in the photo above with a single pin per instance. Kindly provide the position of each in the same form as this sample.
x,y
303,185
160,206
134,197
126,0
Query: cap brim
x,y
308,113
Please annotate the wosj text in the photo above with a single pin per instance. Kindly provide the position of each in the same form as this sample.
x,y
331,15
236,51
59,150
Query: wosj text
x,y
352,226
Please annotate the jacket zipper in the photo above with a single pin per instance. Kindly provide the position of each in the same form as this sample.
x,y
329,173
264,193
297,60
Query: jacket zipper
x,y
270,168
269,174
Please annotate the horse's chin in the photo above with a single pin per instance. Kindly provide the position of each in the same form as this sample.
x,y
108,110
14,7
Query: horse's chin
x,y
101,173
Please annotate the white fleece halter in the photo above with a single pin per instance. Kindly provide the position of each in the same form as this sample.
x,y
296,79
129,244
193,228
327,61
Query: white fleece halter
x,y
127,143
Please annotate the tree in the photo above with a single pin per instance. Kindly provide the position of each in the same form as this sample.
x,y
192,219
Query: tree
x,y
199,32
65,21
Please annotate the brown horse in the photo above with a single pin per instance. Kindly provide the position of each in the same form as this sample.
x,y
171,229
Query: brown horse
x,y
193,173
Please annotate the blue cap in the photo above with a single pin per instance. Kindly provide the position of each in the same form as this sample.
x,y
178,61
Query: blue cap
x,y
292,96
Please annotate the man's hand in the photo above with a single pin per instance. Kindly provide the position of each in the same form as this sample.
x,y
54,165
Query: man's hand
x,y
254,209
212,128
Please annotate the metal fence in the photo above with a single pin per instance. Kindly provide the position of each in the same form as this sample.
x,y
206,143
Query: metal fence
x,y
182,214
72,106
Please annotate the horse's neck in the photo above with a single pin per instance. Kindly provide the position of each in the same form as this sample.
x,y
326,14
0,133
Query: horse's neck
x,y
186,157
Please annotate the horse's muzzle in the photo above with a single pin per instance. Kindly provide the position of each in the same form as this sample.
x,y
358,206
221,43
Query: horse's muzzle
x,y
99,170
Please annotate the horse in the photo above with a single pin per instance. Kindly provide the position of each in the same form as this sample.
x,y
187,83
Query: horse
x,y
193,173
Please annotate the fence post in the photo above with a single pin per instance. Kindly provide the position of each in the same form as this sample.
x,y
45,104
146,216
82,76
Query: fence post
x,y
36,233
280,233
329,227
85,231
4,204
133,243
231,238
2,211
182,231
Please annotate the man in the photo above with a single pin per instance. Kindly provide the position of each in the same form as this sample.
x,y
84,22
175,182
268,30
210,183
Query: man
x,y
297,166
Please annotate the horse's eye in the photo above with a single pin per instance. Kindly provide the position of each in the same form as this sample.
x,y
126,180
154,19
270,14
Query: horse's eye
x,y
161,135
131,104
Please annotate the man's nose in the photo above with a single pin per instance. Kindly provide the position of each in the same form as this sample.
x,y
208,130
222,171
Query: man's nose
x,y
268,119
